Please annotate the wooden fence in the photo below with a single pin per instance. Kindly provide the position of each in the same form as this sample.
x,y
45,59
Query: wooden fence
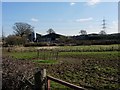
x,y
42,81
72,86
47,54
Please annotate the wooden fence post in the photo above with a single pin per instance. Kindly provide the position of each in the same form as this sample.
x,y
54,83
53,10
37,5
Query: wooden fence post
x,y
44,79
38,53
57,56
44,55
48,84
40,76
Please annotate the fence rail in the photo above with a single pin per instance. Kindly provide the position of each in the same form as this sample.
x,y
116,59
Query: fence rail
x,y
72,86
42,81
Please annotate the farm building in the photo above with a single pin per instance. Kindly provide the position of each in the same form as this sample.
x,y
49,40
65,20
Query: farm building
x,y
52,37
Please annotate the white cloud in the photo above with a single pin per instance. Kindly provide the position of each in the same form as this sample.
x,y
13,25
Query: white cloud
x,y
72,3
84,19
93,2
34,19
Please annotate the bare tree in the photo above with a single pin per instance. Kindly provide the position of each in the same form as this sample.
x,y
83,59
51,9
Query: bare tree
x,y
22,29
102,32
83,32
50,31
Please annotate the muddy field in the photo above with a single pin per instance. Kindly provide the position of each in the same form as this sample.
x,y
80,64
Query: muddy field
x,y
92,70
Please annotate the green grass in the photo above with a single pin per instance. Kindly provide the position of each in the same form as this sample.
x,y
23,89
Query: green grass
x,y
23,55
34,55
99,55
45,61
57,86
48,56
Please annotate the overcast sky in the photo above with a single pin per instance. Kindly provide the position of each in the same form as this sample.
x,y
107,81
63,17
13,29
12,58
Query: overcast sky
x,y
66,18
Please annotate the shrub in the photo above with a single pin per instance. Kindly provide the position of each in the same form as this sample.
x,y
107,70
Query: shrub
x,y
35,44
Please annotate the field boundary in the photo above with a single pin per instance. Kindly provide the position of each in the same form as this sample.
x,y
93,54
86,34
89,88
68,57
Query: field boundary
x,y
42,81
